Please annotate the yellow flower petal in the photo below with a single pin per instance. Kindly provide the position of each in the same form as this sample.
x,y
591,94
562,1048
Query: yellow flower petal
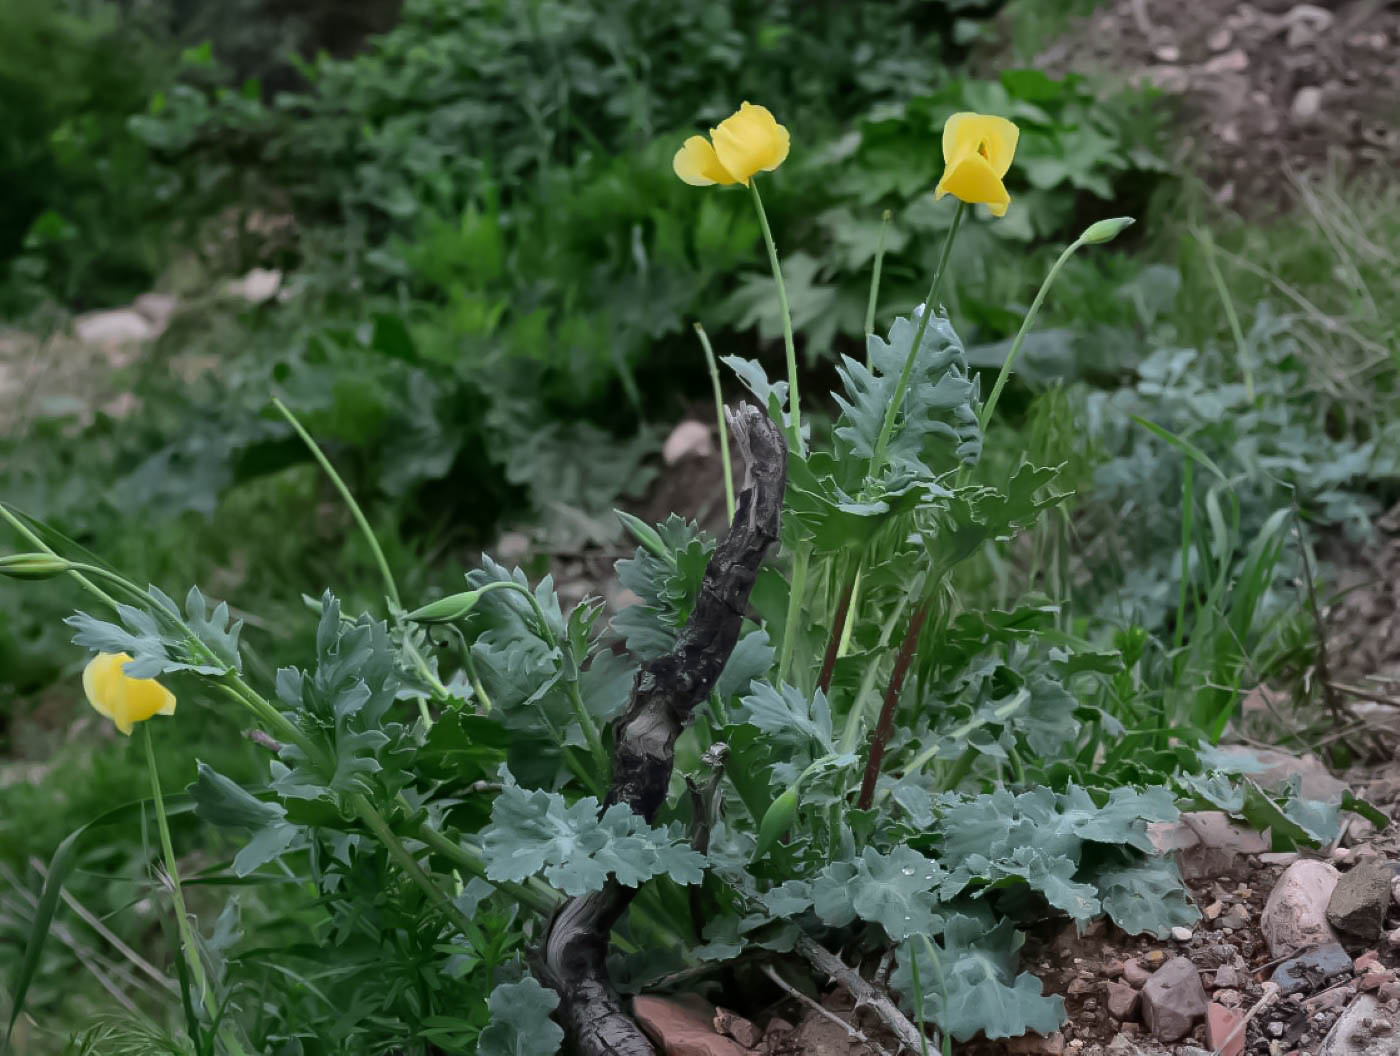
x,y
995,138
697,164
971,178
123,699
750,141
99,682
146,697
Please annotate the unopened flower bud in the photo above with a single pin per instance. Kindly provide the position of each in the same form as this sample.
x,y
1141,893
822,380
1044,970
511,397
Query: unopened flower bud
x,y
448,609
1105,230
32,566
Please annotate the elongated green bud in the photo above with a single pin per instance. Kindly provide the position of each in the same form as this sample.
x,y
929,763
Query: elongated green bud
x,y
446,610
776,821
1105,230
32,566
645,534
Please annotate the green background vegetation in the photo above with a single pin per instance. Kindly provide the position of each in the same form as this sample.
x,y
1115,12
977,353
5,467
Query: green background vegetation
x,y
490,277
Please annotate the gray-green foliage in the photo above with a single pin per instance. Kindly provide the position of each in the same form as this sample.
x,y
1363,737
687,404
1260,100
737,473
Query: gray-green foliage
x,y
1023,766
520,1023
578,846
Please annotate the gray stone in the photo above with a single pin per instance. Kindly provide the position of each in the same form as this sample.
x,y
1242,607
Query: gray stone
x,y
1295,917
117,327
512,548
259,285
1173,1000
1359,901
1122,1045
1307,103
1318,782
157,308
1308,971
689,439
1237,919
1206,842
1228,975
1135,973
1122,1001
1355,1033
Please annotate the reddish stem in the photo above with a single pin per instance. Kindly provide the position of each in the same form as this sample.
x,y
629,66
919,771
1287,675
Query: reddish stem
x,y
886,724
843,610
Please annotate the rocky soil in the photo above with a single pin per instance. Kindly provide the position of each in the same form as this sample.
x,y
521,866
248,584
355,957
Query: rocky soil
x,y
1294,955
1267,89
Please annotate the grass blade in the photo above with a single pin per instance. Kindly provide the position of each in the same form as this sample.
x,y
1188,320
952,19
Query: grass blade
x,y
1181,444
59,867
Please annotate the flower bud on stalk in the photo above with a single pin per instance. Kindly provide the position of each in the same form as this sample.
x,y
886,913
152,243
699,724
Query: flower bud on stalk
x,y
1097,234
448,609
33,566
776,820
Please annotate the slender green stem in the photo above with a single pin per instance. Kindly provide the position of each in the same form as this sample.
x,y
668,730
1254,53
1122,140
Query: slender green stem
x,y
918,999
1236,331
409,864
877,460
24,531
1188,505
475,679
390,587
794,403
235,688
240,691
590,728
534,893
719,418
465,652
875,282
177,895
794,611
844,646
850,732
585,720
130,589
959,769
989,408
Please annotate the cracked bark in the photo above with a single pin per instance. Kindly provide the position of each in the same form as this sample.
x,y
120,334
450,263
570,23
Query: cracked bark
x,y
573,959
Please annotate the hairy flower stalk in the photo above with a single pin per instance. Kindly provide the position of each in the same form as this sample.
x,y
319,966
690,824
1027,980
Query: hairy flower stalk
x,y
838,631
885,726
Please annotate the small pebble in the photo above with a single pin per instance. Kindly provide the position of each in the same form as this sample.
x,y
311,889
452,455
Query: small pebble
x,y
1135,974
1181,934
1226,976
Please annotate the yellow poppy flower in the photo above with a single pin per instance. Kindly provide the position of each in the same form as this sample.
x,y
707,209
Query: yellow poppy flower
x,y
748,141
977,151
121,698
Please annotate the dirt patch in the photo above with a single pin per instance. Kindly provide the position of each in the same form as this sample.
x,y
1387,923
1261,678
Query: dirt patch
x,y
1363,620
1267,88
1233,961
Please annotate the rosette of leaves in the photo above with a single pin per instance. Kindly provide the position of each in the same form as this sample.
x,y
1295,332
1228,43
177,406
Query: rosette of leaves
x,y
342,704
833,502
